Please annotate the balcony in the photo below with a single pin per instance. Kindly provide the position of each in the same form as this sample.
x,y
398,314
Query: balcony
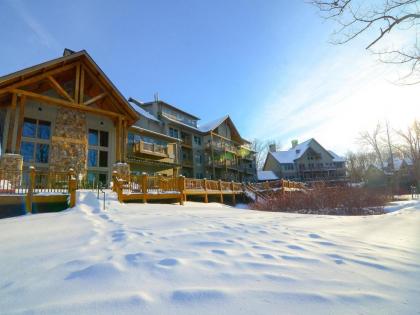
x,y
222,146
187,163
150,149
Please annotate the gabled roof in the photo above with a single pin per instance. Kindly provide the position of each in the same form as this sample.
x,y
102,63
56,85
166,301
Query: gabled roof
x,y
210,126
16,77
336,158
172,107
295,153
136,105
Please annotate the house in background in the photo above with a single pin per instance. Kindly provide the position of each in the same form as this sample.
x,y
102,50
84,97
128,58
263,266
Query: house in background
x,y
214,150
397,174
307,161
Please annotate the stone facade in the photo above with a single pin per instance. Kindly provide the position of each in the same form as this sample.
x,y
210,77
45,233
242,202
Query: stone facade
x,y
69,142
11,170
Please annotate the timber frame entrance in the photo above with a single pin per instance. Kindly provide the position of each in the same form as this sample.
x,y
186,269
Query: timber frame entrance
x,y
73,82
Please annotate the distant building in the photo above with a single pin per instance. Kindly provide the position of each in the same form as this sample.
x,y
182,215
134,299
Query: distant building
x,y
214,150
398,174
306,161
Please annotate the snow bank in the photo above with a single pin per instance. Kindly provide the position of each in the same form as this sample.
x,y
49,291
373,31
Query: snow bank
x,y
208,259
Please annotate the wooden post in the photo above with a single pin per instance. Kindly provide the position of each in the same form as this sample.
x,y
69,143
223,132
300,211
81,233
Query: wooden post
x,y
220,188
30,191
206,196
114,181
72,187
144,186
232,187
181,188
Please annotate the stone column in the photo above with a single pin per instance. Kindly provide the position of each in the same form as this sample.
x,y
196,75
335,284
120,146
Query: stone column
x,y
11,170
69,142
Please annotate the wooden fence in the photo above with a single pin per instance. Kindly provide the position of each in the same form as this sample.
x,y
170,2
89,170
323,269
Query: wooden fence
x,y
145,187
39,186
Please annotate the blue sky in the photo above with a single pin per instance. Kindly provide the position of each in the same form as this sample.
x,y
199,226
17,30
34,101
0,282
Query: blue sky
x,y
266,63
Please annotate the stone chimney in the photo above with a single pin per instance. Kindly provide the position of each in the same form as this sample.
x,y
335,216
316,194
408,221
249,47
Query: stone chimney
x,y
272,147
294,143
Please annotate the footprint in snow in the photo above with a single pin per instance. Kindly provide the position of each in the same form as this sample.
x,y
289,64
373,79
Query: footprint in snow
x,y
295,247
313,235
218,251
168,262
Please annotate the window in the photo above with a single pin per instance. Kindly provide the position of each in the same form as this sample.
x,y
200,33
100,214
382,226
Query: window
x,y
198,158
104,139
197,140
173,132
35,146
95,178
93,137
92,158
98,148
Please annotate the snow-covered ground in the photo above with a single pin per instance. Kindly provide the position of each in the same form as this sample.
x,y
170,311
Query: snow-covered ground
x,y
208,259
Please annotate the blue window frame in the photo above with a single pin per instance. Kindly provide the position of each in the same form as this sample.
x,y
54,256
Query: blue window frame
x,y
44,129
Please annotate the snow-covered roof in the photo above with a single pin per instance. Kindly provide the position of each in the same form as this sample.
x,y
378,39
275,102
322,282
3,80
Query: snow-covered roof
x,y
266,175
143,112
398,162
336,157
292,154
213,124
295,153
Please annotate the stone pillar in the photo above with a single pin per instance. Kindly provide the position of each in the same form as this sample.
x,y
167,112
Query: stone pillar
x,y
69,142
123,170
11,170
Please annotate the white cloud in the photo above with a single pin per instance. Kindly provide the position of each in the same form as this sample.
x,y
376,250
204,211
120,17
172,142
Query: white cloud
x,y
349,91
42,35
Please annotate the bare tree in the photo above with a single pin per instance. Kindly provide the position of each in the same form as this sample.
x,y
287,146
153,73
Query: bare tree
x,y
372,140
357,165
378,19
410,146
261,146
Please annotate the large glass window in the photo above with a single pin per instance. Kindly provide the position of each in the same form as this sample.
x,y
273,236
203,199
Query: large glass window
x,y
173,132
42,151
36,136
98,141
92,158
29,128
93,137
27,151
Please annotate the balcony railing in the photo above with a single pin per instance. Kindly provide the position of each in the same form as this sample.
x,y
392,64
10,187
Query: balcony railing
x,y
150,149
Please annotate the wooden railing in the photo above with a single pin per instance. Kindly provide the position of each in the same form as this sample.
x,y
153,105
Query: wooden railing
x,y
32,183
277,184
144,187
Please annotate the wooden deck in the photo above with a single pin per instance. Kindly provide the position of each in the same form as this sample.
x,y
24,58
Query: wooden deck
x,y
144,188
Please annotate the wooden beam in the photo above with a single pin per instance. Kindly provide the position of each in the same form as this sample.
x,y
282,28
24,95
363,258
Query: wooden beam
x,y
95,99
20,123
118,140
12,125
56,101
60,89
82,85
77,84
36,78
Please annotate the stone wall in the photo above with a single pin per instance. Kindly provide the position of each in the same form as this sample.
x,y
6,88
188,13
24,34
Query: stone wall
x,y
69,142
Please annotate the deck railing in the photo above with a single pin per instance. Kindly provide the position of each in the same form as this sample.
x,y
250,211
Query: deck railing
x,y
32,183
144,187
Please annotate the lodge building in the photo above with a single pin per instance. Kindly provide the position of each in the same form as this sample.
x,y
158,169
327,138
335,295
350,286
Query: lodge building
x,y
66,113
